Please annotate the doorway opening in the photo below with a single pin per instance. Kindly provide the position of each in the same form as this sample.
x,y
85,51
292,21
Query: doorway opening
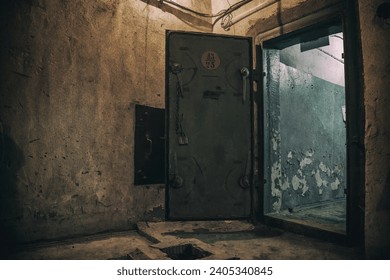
x,y
305,151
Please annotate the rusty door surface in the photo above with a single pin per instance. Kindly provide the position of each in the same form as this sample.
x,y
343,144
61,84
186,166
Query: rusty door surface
x,y
209,130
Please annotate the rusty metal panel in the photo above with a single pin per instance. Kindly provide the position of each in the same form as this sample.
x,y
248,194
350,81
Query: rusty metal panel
x,y
209,129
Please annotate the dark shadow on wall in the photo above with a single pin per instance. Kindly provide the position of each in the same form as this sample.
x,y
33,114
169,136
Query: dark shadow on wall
x,y
15,20
384,203
11,160
9,8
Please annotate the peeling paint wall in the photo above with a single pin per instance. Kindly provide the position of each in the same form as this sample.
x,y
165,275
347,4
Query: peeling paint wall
x,y
265,23
70,75
307,137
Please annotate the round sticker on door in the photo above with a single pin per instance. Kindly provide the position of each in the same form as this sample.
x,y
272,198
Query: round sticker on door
x,y
210,60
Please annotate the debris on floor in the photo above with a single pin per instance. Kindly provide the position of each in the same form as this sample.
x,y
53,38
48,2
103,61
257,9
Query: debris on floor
x,y
197,240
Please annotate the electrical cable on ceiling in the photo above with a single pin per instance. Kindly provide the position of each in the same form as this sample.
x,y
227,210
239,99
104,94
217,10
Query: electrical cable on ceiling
x,y
226,21
225,15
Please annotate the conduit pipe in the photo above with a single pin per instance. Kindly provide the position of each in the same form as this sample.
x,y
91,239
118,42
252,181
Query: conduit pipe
x,y
250,12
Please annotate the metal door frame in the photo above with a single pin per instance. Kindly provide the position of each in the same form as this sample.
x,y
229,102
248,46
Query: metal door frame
x,y
354,129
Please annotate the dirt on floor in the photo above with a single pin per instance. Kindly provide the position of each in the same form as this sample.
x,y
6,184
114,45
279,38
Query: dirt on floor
x,y
190,240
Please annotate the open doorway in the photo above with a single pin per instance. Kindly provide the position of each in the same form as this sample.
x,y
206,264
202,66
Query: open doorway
x,y
305,152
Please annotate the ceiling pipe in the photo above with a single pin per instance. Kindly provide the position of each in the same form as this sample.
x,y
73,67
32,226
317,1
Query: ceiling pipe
x,y
250,12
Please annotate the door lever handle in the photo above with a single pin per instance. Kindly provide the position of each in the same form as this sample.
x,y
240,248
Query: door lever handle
x,y
175,180
244,74
147,136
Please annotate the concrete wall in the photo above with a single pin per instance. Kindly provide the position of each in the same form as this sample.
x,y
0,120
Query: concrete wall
x,y
71,73
273,14
318,61
376,61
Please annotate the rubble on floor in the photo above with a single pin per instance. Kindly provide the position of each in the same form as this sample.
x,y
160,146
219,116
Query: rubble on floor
x,y
195,240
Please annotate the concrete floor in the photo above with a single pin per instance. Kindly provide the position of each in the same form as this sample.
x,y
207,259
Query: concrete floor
x,y
201,240
328,216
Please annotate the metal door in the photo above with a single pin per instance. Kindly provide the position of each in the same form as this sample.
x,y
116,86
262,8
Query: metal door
x,y
209,116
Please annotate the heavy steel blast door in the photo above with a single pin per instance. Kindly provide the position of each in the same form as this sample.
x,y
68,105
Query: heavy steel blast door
x,y
209,112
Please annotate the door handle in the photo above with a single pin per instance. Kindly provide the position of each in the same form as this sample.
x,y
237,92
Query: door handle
x,y
245,180
147,136
244,74
175,180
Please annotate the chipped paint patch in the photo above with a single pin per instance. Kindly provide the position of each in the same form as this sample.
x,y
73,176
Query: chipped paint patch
x,y
335,185
277,205
274,144
319,181
305,188
275,140
285,185
276,173
275,187
289,158
305,161
309,153
298,183
325,169
337,169
295,182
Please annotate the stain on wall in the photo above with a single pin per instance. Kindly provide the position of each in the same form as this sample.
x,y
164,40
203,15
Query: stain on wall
x,y
70,75
11,160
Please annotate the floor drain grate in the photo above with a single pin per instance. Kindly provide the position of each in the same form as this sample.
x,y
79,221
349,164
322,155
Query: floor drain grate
x,y
185,252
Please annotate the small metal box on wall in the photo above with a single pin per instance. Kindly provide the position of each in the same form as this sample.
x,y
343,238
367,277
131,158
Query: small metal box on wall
x,y
149,164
